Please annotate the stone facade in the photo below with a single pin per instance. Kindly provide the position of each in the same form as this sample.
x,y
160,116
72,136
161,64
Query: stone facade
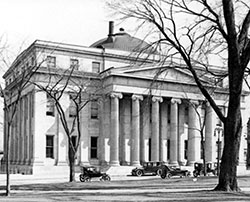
x,y
137,119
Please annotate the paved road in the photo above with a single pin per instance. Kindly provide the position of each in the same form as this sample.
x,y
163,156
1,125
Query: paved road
x,y
35,188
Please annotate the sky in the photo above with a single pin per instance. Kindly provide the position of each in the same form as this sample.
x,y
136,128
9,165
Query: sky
x,y
80,22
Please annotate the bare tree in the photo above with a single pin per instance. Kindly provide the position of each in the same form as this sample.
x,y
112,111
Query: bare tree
x,y
196,31
11,98
82,90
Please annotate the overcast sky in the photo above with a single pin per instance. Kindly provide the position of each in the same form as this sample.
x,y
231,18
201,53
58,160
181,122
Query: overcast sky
x,y
79,22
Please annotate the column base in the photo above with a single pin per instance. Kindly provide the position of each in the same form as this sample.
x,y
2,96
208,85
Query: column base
x,y
174,163
135,163
62,163
125,163
182,163
114,163
191,163
104,163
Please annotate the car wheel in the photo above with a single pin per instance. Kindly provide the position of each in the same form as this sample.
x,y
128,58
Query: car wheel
x,y
163,176
105,178
139,173
159,172
195,174
87,179
82,178
169,175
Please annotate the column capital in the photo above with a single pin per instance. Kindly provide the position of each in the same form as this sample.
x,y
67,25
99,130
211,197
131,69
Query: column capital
x,y
195,103
175,101
157,99
137,97
116,95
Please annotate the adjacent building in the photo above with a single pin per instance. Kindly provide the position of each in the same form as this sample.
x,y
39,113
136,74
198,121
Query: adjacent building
x,y
145,111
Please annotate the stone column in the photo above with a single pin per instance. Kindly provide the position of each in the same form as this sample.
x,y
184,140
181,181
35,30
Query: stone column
x,y
125,139
39,142
135,157
31,124
194,139
174,131
114,130
145,131
62,149
22,131
181,145
84,143
164,132
27,134
105,131
155,145
209,133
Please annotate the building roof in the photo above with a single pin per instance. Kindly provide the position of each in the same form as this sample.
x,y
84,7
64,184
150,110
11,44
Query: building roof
x,y
123,41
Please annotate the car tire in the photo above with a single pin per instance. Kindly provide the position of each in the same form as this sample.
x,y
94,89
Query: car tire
x,y
169,175
82,178
105,178
139,173
87,179
195,174
163,176
159,172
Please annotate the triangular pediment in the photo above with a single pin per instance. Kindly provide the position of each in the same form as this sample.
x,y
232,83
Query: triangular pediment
x,y
157,73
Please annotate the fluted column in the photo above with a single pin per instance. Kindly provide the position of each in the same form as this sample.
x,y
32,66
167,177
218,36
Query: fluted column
x,y
164,131
155,128
105,132
194,139
146,131
84,144
135,160
209,133
114,130
174,131
125,136
181,146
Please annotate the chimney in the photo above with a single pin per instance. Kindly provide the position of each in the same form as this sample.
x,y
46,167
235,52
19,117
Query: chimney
x,y
111,32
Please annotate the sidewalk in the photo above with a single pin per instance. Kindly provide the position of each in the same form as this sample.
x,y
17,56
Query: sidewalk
x,y
19,179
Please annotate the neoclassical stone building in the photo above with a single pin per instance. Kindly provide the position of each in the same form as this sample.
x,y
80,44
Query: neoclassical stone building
x,y
138,117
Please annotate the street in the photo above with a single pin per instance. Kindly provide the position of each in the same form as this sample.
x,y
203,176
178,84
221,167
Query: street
x,y
127,188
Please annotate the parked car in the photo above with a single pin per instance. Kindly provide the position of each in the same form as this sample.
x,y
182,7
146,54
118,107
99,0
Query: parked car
x,y
90,172
148,168
199,168
168,172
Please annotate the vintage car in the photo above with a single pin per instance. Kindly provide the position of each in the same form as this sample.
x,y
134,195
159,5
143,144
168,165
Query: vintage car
x,y
199,168
168,172
148,168
88,172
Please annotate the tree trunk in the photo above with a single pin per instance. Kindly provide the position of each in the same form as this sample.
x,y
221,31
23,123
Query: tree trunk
x,y
230,156
71,164
8,161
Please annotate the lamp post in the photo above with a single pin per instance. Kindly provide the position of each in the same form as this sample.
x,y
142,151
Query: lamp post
x,y
218,131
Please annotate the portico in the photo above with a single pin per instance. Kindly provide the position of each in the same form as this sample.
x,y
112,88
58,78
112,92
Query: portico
x,y
157,124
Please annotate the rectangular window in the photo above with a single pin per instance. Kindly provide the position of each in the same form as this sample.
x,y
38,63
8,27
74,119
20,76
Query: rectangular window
x,y
96,67
74,64
49,146
94,147
51,61
94,109
50,111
